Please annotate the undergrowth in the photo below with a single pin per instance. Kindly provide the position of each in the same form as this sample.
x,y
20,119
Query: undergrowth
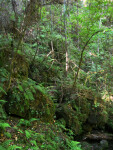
x,y
35,135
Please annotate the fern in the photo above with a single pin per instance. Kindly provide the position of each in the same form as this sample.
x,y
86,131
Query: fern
x,y
2,101
29,94
20,88
27,88
7,134
74,145
24,123
33,142
2,90
2,148
28,134
14,147
6,144
26,96
33,89
2,112
4,125
42,89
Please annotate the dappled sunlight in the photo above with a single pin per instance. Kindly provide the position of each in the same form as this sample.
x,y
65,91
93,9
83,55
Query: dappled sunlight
x,y
56,75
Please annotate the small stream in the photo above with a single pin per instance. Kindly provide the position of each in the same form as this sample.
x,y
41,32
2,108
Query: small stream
x,y
97,140
93,145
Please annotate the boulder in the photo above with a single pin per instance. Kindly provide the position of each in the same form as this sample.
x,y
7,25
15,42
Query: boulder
x,y
86,146
2,113
104,144
66,112
109,125
28,102
42,107
98,116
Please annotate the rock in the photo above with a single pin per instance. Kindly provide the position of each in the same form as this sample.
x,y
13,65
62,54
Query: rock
x,y
2,113
96,147
86,146
19,67
93,118
66,112
104,144
20,104
99,136
98,116
109,124
42,107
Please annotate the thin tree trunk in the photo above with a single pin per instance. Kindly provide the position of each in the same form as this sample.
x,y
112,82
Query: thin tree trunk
x,y
65,30
78,28
81,57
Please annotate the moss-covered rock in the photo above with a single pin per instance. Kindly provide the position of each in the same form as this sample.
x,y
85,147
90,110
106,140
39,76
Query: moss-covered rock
x,y
82,106
109,124
42,107
45,73
2,113
85,108
19,67
29,100
71,118
98,116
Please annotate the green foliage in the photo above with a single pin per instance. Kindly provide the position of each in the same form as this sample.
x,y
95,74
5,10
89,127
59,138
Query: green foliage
x,y
3,80
2,148
2,102
23,122
28,134
22,91
3,126
5,144
14,147
74,145
27,88
42,89
2,90
2,112
48,138
33,59
7,134
26,123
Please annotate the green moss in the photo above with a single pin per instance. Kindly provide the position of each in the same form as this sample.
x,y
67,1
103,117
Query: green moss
x,y
19,67
42,107
34,102
71,118
2,113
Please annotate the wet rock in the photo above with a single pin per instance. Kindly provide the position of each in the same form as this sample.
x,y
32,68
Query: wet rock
x,y
98,116
86,146
96,147
104,144
99,136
